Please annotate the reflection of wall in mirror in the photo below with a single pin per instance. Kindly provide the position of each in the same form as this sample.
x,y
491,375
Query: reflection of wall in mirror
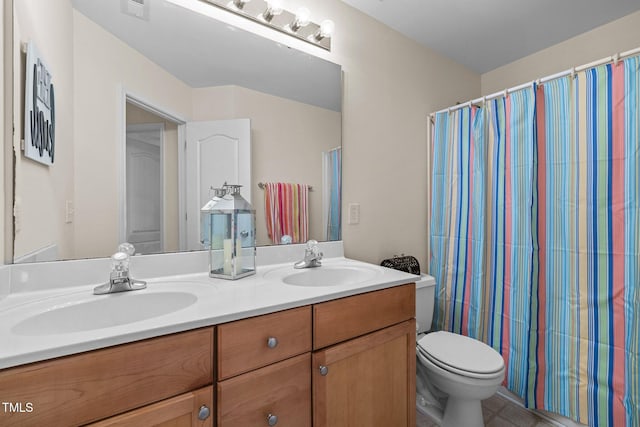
x,y
102,66
289,144
136,115
41,192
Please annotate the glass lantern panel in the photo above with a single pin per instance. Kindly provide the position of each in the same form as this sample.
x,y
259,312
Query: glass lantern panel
x,y
213,228
220,235
245,242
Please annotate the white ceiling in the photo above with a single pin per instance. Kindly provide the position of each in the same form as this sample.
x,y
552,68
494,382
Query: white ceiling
x,y
486,34
203,52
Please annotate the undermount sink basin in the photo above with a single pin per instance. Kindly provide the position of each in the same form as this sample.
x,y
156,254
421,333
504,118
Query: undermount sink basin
x,y
330,276
103,312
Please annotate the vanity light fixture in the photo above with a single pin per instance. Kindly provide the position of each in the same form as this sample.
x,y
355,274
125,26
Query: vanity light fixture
x,y
271,14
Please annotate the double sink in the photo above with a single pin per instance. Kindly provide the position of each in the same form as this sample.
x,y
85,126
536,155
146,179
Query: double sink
x,y
82,311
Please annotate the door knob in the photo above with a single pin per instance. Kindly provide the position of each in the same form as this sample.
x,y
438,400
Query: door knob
x,y
204,413
272,342
272,419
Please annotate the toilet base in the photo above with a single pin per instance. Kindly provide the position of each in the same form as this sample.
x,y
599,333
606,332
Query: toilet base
x,y
463,412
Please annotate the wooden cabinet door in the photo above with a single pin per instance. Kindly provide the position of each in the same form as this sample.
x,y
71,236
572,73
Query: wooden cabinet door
x,y
368,381
278,394
194,409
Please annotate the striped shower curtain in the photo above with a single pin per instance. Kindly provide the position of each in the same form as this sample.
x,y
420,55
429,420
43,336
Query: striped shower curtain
x,y
332,193
535,231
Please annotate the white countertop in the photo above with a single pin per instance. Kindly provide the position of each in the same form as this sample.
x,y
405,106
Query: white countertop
x,y
218,301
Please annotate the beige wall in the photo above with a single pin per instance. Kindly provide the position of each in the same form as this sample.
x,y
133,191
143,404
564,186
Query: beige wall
x,y
136,115
41,191
285,147
104,67
391,84
617,36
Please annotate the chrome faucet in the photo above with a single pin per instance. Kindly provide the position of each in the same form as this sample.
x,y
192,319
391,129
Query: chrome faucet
x,y
312,256
119,279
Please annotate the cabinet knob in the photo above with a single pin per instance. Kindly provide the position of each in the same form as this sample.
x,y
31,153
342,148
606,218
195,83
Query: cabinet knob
x,y
272,419
272,342
203,413
324,370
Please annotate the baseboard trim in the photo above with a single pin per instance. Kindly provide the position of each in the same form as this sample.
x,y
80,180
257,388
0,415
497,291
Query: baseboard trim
x,y
555,419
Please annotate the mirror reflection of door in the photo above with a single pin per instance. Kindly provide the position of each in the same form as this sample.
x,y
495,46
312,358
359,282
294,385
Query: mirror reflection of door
x,y
217,152
149,194
144,174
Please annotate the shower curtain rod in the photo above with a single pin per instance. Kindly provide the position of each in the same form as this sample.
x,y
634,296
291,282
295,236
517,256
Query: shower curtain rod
x,y
614,58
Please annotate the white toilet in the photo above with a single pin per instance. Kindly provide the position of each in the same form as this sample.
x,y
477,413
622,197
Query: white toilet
x,y
455,373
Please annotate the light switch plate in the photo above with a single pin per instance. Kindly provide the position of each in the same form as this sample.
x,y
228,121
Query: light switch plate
x,y
17,214
68,211
354,213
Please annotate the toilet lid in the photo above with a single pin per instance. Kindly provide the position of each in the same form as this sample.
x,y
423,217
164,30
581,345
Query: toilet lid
x,y
461,353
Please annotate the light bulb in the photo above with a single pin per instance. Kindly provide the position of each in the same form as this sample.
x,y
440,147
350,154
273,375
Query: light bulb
x,y
302,16
240,3
274,7
302,19
326,28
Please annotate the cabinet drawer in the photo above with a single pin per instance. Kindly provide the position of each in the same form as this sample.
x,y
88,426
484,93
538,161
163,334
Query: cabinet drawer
x,y
282,390
82,388
245,344
346,318
193,409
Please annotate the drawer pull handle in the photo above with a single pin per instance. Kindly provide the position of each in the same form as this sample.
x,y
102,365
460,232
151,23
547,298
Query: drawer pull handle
x,y
324,370
272,342
272,419
204,413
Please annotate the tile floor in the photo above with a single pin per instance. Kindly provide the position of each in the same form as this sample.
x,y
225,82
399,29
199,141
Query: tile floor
x,y
497,412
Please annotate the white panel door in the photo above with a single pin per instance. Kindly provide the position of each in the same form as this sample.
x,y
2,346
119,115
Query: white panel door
x,y
144,187
216,152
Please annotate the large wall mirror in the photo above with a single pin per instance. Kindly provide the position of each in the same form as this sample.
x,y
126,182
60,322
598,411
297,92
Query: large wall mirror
x,y
154,104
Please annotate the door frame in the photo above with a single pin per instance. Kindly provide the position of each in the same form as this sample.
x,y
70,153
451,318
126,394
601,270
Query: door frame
x,y
121,155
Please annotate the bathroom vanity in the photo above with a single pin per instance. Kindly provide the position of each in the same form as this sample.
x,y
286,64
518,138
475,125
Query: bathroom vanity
x,y
285,355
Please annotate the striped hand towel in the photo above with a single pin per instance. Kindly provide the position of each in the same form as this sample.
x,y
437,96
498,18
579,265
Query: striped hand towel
x,y
286,211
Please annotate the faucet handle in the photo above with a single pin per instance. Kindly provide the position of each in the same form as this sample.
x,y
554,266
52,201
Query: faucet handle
x,y
127,248
119,265
120,260
312,247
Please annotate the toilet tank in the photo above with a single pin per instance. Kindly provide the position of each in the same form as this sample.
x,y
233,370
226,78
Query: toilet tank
x,y
425,294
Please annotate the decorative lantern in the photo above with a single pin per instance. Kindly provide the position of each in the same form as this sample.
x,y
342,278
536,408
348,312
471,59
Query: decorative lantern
x,y
231,221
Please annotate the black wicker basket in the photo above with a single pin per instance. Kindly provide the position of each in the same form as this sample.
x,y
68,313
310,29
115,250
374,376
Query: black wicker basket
x,y
406,263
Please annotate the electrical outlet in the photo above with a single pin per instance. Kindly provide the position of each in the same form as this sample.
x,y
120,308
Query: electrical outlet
x,y
354,213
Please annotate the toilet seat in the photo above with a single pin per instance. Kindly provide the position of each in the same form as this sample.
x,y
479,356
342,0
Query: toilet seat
x,y
461,355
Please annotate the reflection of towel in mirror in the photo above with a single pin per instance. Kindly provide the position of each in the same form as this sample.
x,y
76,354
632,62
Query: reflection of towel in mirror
x,y
286,211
